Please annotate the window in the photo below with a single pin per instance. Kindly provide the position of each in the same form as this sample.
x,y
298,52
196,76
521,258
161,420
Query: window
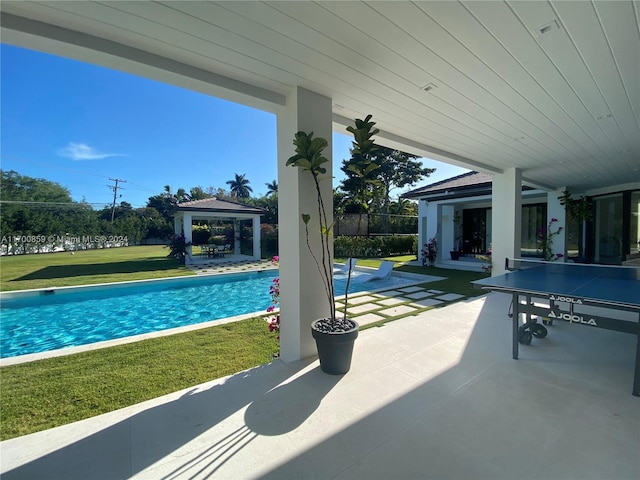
x,y
634,224
534,220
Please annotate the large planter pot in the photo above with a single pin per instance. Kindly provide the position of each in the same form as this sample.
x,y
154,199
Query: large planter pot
x,y
455,255
335,349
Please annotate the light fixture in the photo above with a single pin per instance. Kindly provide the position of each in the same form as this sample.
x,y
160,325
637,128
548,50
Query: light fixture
x,y
548,27
428,87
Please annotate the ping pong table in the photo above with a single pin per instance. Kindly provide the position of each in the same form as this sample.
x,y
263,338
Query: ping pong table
x,y
562,291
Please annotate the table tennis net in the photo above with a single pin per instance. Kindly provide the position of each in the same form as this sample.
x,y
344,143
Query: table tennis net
x,y
574,269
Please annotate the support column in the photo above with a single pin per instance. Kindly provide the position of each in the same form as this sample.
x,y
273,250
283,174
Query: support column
x,y
257,252
506,206
187,226
236,237
448,232
177,224
557,211
302,297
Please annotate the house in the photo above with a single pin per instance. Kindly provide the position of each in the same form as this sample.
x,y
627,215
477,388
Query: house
x,y
458,213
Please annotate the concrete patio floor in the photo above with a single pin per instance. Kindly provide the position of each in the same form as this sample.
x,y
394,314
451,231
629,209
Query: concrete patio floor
x,y
435,395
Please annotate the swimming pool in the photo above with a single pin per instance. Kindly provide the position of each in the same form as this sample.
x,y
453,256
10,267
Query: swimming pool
x,y
46,320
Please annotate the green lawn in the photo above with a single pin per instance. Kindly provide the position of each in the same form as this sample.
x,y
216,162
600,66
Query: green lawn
x,y
43,394
84,267
457,281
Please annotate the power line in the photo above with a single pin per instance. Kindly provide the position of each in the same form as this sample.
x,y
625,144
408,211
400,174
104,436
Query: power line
x,y
115,194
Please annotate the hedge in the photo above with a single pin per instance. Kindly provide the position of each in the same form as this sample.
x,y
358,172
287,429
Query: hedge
x,y
380,246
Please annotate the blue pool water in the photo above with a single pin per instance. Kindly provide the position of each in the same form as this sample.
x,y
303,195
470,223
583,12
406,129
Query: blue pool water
x,y
79,316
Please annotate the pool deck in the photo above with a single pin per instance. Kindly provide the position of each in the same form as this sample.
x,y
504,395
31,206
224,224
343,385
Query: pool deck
x,y
435,394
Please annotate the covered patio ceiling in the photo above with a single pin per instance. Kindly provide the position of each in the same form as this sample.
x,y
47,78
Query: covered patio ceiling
x,y
552,88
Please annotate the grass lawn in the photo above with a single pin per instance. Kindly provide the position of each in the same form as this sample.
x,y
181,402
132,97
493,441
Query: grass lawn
x,y
457,281
43,394
84,267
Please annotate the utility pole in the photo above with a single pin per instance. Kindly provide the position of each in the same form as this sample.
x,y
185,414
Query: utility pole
x,y
115,194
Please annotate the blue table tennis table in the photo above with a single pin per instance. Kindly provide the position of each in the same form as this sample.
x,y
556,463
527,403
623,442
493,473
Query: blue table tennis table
x,y
560,291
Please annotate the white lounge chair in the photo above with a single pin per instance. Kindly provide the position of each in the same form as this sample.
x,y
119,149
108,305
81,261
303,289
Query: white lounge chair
x,y
344,269
384,270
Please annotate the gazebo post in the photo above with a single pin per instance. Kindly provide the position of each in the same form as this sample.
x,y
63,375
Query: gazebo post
x,y
257,252
236,236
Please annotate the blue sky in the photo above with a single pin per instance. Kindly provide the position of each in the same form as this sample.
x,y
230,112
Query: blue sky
x,y
80,125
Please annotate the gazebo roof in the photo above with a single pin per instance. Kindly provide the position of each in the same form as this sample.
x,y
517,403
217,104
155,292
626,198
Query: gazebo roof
x,y
216,205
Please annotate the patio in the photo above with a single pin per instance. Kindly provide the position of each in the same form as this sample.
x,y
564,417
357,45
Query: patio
x,y
435,395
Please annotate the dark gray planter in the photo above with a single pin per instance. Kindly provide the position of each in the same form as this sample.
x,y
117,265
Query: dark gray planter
x,y
335,349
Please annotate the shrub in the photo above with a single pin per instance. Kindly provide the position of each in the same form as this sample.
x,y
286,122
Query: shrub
x,y
200,234
381,246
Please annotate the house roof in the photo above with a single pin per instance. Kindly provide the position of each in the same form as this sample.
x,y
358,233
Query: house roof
x,y
217,205
470,180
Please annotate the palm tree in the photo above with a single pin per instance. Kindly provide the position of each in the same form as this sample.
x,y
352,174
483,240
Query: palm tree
x,y
240,187
272,188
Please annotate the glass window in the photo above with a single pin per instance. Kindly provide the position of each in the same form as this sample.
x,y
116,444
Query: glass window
x,y
534,219
634,224
608,229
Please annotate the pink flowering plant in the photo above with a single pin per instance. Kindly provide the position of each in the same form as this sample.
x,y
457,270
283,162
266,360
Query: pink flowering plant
x,y
544,236
274,291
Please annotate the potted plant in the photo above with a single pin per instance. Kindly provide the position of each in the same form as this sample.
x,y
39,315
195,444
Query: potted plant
x,y
334,335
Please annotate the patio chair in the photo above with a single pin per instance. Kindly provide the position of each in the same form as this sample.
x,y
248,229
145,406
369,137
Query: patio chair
x,y
384,270
350,264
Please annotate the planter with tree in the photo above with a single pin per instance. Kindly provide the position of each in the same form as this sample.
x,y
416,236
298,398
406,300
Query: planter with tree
x,y
334,335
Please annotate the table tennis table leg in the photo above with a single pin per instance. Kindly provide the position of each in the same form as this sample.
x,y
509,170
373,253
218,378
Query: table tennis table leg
x,y
515,333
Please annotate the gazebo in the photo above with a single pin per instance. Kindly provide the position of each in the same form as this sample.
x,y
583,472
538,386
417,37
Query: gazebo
x,y
216,209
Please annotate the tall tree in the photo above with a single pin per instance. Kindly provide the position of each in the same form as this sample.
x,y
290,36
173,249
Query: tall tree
x,y
239,186
37,212
272,187
396,170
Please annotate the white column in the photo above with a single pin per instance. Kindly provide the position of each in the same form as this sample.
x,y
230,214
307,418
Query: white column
x,y
177,224
257,254
448,231
302,297
506,206
187,226
433,225
557,211
423,218
236,237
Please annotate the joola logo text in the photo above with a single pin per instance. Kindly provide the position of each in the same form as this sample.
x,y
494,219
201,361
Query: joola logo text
x,y
572,318
559,298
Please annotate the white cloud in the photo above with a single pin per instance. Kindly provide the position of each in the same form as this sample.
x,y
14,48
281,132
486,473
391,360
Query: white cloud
x,y
81,151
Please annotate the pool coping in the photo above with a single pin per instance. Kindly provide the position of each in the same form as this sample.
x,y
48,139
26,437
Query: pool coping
x,y
60,352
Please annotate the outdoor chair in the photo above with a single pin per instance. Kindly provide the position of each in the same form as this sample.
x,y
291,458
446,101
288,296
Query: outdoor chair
x,y
385,269
344,269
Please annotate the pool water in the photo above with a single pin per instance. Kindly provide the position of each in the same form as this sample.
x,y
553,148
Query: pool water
x,y
63,318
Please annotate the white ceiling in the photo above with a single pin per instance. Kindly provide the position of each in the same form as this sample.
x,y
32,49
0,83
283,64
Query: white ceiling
x,y
563,106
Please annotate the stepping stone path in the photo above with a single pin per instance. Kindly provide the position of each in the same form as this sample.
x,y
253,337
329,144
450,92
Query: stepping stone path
x,y
367,308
